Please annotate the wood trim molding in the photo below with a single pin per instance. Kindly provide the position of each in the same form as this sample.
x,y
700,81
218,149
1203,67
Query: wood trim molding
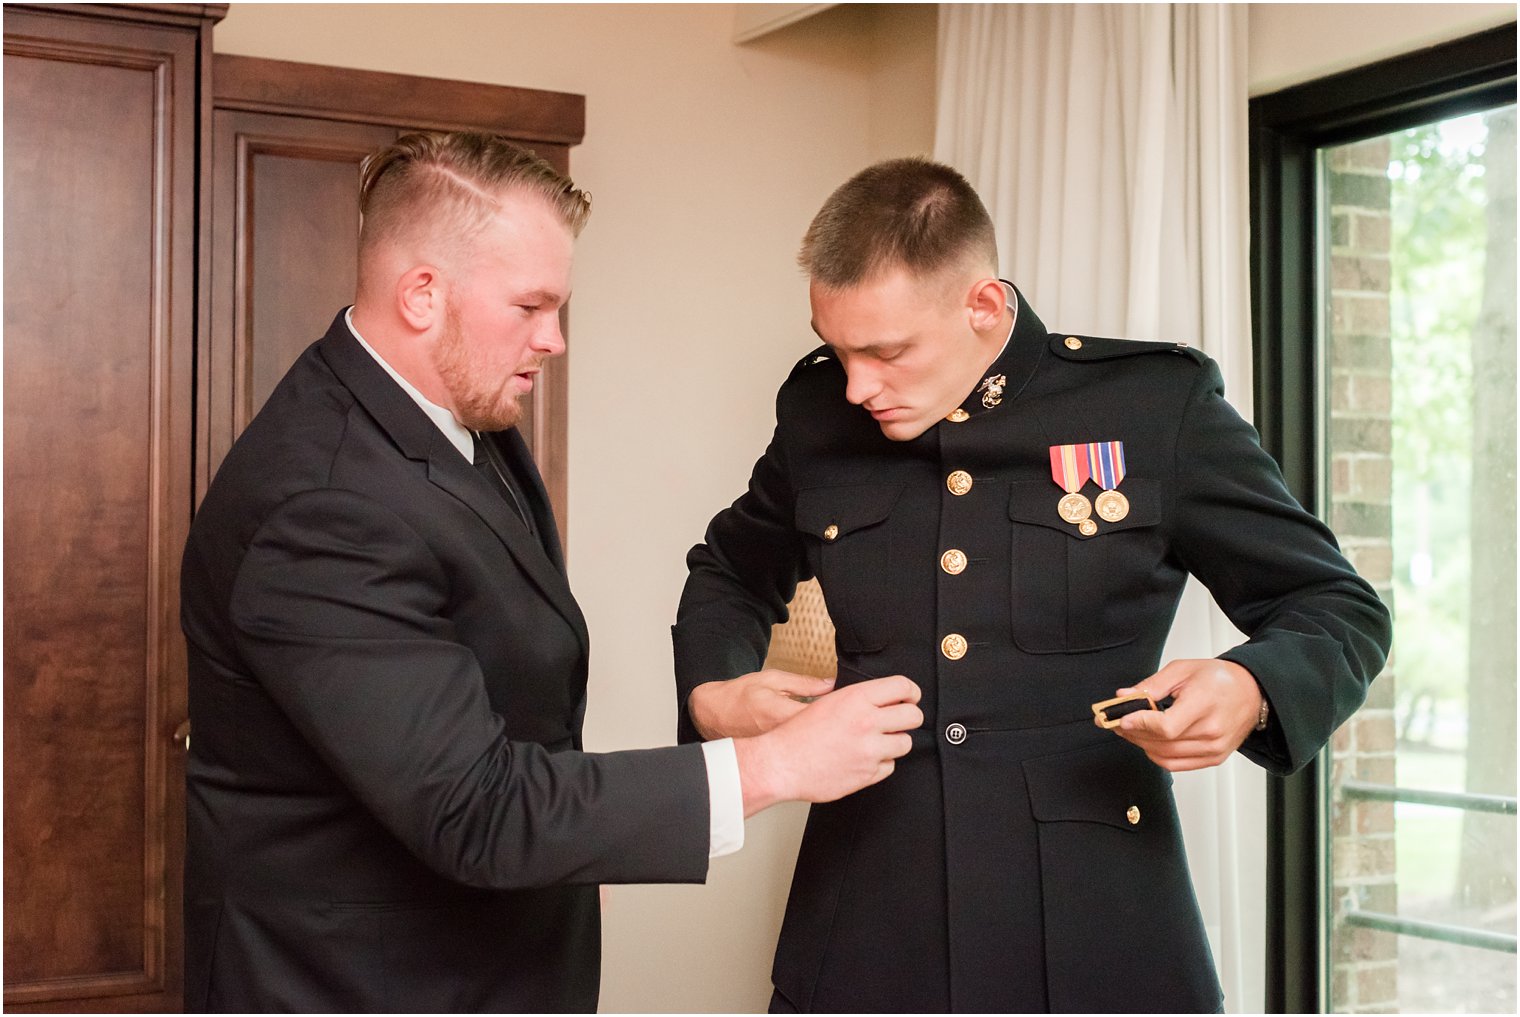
x,y
179,15
399,100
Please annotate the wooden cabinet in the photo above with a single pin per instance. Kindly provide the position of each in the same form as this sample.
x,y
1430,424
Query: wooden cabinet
x,y
101,122
164,262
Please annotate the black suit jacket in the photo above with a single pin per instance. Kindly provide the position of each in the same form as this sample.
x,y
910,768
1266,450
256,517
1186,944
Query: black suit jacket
x,y
387,808
1020,859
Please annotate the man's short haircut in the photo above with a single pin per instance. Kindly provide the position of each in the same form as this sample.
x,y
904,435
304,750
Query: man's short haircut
x,y
913,213
448,184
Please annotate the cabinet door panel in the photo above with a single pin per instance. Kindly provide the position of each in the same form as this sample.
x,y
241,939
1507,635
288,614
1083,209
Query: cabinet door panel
x,y
99,218
285,221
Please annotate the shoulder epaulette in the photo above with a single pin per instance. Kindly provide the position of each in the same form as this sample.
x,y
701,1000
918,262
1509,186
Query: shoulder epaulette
x,y
1082,348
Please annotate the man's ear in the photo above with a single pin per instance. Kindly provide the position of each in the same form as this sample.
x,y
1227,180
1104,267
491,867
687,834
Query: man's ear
x,y
987,301
420,297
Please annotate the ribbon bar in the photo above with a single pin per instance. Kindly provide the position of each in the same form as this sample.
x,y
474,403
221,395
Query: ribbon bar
x,y
1106,461
1070,466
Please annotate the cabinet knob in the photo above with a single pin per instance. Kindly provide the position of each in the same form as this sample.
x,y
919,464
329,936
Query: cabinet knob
x,y
182,734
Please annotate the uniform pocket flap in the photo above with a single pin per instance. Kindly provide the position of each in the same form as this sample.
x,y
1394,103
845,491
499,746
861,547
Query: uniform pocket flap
x,y
845,508
1111,783
1034,501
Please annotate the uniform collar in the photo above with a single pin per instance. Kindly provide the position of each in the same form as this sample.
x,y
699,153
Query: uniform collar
x,y
1014,365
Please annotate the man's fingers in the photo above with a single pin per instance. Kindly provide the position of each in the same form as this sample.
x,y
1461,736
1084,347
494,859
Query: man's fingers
x,y
1183,720
1176,721
899,717
1190,761
1189,754
802,685
1145,725
886,691
784,708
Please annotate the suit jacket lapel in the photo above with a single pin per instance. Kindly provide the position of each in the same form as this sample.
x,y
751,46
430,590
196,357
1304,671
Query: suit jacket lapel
x,y
418,438
514,452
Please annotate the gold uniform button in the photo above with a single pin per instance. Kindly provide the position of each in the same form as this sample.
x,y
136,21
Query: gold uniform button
x,y
1073,343
958,482
953,561
953,646
830,532
1133,815
957,415
1087,527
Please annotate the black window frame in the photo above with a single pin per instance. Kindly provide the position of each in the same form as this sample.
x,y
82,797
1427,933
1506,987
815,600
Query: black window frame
x,y
1287,128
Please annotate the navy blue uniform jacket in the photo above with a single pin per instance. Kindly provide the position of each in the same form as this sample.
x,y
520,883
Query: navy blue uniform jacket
x,y
1020,859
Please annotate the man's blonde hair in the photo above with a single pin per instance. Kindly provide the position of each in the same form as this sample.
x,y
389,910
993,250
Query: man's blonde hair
x,y
911,213
448,185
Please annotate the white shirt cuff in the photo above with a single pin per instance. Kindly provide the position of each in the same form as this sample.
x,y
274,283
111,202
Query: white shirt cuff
x,y
725,798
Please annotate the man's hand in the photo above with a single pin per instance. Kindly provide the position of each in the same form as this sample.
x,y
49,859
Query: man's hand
x,y
1215,706
847,740
752,704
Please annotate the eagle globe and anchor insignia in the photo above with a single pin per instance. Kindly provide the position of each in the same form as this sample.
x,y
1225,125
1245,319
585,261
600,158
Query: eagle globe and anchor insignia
x,y
991,389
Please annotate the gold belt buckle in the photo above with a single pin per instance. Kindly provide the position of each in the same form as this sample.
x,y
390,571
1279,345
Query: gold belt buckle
x,y
1100,710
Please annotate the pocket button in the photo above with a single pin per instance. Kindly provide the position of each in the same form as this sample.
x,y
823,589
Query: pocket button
x,y
955,733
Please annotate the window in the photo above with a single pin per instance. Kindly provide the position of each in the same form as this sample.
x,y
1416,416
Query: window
x,y
1384,215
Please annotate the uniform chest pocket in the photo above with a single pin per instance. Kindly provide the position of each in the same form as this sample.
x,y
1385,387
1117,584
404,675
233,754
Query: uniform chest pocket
x,y
1075,591
849,545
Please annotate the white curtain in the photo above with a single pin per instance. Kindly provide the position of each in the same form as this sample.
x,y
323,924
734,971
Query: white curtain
x,y
1109,143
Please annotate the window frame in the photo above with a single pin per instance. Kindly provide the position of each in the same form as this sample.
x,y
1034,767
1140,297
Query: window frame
x,y
1287,129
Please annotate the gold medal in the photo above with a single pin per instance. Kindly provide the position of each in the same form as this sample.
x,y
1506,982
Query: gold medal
x,y
1112,506
1074,508
1069,469
1106,464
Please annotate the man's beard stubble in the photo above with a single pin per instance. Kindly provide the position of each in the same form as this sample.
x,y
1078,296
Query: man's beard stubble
x,y
478,404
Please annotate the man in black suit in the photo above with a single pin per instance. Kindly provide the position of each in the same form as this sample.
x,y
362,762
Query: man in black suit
x,y
388,805
1007,516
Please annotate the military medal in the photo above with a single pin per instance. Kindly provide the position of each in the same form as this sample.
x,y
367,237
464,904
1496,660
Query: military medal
x,y
1069,467
991,389
1106,463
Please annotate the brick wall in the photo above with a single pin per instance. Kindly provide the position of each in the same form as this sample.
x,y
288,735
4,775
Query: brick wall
x,y
1364,963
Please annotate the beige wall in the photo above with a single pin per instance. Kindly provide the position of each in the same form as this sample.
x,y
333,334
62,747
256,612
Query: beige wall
x,y
1294,43
706,161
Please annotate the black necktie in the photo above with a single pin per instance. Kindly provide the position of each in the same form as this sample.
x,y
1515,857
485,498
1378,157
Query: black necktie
x,y
496,476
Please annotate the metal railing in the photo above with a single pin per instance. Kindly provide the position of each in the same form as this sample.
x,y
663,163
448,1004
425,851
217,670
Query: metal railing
x,y
1459,935
1464,800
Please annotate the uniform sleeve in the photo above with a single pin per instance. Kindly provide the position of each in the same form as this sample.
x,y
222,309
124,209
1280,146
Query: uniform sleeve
x,y
1318,633
740,579
339,609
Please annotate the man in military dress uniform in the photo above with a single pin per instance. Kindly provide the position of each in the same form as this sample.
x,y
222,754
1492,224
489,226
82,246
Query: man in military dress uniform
x,y
1007,515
